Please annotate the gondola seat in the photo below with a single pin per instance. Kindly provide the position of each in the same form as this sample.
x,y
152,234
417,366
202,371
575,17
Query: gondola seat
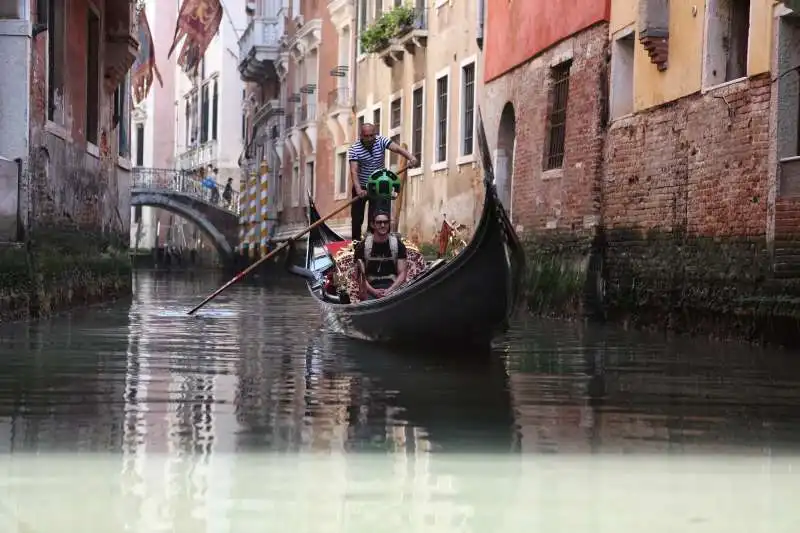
x,y
347,274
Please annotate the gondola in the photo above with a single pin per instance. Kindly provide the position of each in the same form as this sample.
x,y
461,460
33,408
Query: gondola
x,y
466,300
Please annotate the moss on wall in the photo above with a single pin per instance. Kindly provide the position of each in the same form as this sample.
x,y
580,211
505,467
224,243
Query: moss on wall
x,y
59,269
562,273
16,282
721,286
668,281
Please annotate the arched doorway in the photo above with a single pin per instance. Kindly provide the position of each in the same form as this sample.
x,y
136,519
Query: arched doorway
x,y
504,155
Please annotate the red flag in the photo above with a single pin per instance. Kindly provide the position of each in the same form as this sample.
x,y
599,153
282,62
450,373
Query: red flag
x,y
444,237
145,64
198,22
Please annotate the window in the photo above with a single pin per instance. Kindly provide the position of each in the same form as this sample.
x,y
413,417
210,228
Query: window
x,y
395,128
378,8
622,75
194,119
728,41
467,109
309,182
341,174
788,105
137,214
215,110
557,116
122,117
55,61
92,77
395,113
418,101
362,22
295,186
440,147
10,10
139,145
204,117
394,159
376,119
188,122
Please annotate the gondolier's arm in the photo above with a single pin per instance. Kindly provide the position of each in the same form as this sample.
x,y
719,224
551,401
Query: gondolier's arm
x,y
396,148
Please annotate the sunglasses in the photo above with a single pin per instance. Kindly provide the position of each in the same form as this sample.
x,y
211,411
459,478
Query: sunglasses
x,y
381,222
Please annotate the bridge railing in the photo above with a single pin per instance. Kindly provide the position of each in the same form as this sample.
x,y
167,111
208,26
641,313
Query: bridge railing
x,y
175,180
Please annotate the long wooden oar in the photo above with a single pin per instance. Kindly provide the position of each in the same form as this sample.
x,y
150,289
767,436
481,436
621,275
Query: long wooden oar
x,y
283,245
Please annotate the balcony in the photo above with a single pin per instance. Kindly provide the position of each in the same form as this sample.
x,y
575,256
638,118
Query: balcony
x,y
400,31
198,156
307,39
122,44
259,48
264,113
340,104
308,123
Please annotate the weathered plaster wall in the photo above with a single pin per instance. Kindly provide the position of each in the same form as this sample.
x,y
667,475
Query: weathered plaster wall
x,y
75,193
688,27
533,26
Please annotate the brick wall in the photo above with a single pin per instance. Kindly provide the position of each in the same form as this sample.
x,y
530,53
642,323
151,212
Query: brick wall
x,y
70,184
565,198
699,163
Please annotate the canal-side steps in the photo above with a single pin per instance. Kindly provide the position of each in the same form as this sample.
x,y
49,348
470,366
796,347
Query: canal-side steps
x,y
786,259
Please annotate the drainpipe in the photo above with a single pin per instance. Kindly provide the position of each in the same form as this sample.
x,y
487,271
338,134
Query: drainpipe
x,y
20,236
479,29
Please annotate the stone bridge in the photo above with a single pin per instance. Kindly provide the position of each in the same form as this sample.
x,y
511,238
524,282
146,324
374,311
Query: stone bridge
x,y
179,193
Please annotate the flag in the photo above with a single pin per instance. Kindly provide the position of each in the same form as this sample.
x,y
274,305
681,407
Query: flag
x,y
198,22
145,64
444,237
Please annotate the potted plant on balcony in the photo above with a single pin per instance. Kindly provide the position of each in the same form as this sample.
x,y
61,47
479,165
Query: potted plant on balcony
x,y
376,37
401,18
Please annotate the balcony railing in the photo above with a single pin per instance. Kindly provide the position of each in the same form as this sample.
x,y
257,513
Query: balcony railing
x,y
181,181
267,111
308,112
198,156
259,47
289,121
339,97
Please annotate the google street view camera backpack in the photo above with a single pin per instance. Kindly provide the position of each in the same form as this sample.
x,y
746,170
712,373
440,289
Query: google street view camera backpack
x,y
382,183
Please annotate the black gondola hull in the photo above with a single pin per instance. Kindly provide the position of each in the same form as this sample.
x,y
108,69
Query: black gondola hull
x,y
467,300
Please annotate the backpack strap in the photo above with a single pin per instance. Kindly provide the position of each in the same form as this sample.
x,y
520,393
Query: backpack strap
x,y
394,246
368,240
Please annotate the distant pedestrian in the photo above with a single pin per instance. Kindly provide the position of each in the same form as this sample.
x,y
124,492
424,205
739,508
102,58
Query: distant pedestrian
x,y
227,195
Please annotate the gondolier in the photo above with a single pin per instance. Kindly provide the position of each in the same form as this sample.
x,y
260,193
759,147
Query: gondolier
x,y
367,155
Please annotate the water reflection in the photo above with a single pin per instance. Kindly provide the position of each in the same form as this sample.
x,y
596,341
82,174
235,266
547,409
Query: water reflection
x,y
251,417
593,390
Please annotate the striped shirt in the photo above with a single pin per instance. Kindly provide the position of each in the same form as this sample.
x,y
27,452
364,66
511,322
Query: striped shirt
x,y
369,160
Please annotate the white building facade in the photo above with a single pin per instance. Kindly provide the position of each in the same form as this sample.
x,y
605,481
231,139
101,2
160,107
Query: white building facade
x,y
208,103
192,124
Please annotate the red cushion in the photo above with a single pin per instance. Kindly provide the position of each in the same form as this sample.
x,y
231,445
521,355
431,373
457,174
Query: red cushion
x,y
334,247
